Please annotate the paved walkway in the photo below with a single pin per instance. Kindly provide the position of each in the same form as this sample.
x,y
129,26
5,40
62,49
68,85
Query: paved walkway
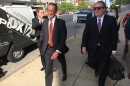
x,y
30,74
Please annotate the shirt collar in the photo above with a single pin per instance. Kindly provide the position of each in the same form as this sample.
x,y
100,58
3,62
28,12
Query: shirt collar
x,y
101,18
53,19
38,17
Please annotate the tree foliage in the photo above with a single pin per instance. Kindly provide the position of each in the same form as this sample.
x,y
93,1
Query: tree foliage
x,y
83,5
117,2
66,7
70,7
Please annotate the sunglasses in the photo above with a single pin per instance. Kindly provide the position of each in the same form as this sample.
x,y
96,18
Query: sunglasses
x,y
98,8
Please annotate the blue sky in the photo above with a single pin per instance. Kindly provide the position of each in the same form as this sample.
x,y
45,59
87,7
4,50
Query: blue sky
x,y
108,3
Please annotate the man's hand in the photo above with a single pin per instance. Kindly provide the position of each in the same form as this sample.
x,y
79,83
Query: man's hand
x,y
41,20
84,51
54,55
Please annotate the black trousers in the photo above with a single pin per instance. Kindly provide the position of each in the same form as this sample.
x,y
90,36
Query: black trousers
x,y
39,45
102,63
49,65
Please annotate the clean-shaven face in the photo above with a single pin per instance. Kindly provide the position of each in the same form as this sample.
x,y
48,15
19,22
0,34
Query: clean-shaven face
x,y
51,11
40,13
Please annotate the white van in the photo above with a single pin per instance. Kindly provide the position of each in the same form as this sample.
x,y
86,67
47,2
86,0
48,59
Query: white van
x,y
15,30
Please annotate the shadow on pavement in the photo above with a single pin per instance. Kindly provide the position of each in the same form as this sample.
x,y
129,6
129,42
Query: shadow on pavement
x,y
29,49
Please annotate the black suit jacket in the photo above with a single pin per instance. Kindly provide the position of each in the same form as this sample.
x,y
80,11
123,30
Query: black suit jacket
x,y
36,25
107,37
59,35
89,16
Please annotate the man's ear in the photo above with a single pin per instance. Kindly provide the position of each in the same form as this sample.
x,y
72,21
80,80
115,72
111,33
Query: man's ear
x,y
104,10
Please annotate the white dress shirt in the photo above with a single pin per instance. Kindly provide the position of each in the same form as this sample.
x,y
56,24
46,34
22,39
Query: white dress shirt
x,y
101,19
53,21
40,20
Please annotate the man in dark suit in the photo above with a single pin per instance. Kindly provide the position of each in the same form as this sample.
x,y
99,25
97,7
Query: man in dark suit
x,y
100,41
54,44
37,26
89,16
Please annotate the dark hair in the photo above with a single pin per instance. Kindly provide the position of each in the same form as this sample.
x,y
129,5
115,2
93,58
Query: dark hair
x,y
103,3
117,15
39,8
55,5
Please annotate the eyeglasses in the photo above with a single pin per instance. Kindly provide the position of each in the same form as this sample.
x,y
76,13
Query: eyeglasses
x,y
98,8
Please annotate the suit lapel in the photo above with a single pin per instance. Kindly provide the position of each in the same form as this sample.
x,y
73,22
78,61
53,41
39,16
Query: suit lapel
x,y
55,26
46,28
37,20
103,23
96,26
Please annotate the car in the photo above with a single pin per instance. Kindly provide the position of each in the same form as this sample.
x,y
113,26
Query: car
x,y
82,14
15,30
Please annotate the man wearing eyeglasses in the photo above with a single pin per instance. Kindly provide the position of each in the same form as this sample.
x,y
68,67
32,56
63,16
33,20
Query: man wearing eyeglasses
x,y
100,41
89,16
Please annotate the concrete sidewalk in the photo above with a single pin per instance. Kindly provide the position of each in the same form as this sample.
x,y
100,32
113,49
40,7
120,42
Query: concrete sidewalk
x,y
30,74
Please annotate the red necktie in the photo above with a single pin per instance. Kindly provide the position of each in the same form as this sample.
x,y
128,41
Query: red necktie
x,y
50,33
99,25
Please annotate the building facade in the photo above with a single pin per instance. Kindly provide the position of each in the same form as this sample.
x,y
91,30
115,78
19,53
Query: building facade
x,y
59,1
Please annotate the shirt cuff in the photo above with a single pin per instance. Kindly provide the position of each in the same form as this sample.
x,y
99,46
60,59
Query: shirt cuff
x,y
58,51
83,47
113,51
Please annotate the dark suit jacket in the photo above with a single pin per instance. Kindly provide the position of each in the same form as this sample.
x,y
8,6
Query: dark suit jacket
x,y
89,16
59,35
107,37
36,26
